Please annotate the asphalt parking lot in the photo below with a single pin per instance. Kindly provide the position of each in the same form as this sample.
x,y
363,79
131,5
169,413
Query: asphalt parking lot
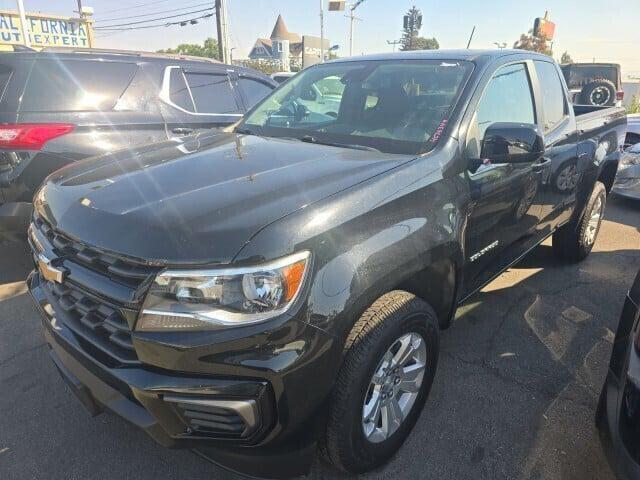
x,y
514,395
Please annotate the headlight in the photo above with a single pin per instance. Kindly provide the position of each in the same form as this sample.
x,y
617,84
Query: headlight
x,y
218,298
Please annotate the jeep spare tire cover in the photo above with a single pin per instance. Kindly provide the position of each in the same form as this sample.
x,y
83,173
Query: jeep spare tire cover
x,y
601,92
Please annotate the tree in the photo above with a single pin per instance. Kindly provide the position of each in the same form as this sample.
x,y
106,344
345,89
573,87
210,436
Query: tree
x,y
410,39
634,107
422,43
528,41
208,49
566,58
265,66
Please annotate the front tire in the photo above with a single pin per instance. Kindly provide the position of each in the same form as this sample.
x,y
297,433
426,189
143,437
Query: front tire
x,y
574,240
390,361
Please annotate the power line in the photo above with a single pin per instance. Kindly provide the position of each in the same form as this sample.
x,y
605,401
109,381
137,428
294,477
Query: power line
x,y
131,7
127,17
108,27
181,22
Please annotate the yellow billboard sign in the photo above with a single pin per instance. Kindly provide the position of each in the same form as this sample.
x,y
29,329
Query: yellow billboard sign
x,y
45,30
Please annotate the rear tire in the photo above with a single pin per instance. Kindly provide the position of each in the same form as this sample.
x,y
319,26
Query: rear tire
x,y
379,394
574,240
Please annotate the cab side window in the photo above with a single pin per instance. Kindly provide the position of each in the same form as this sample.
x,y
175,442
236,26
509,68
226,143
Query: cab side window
x,y
553,96
507,98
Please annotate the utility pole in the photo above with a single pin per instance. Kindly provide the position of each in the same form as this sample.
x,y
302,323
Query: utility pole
x,y
321,31
394,43
23,24
223,31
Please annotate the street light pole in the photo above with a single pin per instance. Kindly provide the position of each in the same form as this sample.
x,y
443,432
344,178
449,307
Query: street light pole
x,y
394,43
352,20
321,31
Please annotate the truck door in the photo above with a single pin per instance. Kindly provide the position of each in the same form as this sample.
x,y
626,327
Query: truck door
x,y
506,198
561,150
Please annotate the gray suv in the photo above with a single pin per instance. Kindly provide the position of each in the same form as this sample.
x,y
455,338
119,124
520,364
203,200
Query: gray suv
x,y
60,106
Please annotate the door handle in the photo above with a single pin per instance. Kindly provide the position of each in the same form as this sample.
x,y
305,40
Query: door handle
x,y
182,130
540,166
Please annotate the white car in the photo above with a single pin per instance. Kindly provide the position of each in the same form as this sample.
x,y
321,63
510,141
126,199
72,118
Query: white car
x,y
627,182
633,129
281,77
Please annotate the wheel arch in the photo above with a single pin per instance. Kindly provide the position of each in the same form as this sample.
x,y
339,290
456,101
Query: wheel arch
x,y
608,174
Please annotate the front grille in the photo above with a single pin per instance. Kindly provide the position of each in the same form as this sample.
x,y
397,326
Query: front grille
x,y
100,296
100,327
120,270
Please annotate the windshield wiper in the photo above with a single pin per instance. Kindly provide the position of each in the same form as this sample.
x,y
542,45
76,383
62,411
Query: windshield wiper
x,y
312,139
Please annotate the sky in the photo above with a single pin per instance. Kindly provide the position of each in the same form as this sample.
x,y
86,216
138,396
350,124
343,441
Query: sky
x,y
587,29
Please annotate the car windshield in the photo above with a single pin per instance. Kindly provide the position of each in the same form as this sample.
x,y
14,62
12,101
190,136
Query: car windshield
x,y
399,106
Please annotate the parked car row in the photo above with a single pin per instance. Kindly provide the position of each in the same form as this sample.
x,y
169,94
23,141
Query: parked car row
x,y
258,292
627,182
60,106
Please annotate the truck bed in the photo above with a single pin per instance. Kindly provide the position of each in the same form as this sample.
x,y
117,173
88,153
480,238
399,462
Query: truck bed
x,y
594,120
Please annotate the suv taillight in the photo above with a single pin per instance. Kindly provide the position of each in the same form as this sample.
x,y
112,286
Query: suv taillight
x,y
620,95
31,136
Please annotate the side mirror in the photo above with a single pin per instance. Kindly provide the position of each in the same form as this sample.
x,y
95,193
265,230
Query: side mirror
x,y
505,142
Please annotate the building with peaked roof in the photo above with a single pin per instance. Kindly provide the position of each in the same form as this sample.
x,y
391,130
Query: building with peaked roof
x,y
282,46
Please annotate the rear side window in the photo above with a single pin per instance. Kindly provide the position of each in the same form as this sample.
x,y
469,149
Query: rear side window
x,y
212,93
507,98
75,85
552,91
179,92
253,90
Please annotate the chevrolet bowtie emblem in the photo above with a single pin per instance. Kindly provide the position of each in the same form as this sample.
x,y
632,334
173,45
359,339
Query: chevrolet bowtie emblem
x,y
48,271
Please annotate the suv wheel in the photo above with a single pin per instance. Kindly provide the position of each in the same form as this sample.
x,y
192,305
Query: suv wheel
x,y
390,361
575,240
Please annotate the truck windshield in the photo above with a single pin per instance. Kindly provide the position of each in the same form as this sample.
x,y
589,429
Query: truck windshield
x,y
399,106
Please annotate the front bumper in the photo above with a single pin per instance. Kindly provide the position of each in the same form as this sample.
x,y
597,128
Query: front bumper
x,y
618,415
154,400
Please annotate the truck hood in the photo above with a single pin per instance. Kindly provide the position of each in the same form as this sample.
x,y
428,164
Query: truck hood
x,y
197,200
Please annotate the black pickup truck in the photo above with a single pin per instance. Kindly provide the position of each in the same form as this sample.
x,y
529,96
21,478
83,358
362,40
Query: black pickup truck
x,y
255,293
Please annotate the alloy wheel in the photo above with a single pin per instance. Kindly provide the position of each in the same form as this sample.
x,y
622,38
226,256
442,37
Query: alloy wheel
x,y
594,222
394,387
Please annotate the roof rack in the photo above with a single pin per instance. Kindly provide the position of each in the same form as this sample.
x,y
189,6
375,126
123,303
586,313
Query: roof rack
x,y
136,53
